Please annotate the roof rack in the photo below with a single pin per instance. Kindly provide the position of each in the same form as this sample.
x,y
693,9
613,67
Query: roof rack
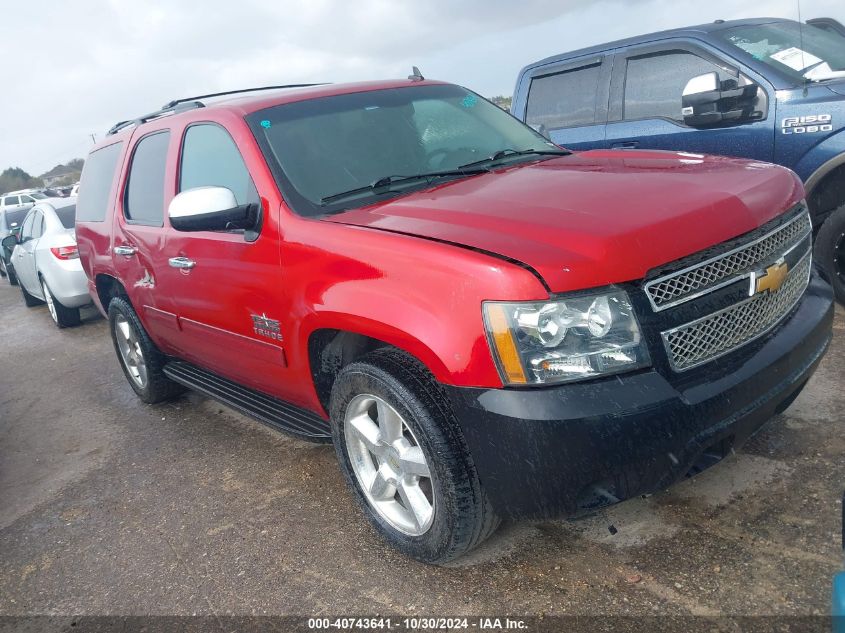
x,y
191,103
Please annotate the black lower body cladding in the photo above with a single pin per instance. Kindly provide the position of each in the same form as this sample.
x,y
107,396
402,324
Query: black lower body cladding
x,y
562,450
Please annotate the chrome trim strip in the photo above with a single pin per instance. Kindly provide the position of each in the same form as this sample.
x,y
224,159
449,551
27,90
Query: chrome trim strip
x,y
664,335
725,282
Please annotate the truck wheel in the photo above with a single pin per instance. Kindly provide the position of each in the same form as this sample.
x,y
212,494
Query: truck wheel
x,y
405,459
140,359
830,251
29,299
62,316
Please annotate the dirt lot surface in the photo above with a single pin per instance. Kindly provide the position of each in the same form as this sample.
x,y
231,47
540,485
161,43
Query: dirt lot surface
x,y
109,506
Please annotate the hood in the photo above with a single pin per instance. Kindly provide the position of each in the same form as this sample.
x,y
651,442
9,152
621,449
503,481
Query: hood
x,y
837,86
594,218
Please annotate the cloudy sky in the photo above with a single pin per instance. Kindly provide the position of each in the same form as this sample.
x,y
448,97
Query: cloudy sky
x,y
74,68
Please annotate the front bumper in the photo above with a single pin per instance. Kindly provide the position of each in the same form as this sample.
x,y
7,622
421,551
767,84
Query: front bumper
x,y
563,450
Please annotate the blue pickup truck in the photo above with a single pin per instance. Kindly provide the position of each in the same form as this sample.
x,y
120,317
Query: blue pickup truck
x,y
766,89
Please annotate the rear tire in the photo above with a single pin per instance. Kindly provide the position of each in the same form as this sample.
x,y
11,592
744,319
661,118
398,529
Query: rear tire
x,y
830,251
62,316
140,359
461,517
29,299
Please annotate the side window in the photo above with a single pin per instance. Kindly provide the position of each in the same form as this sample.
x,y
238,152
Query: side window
x,y
654,83
98,176
210,158
26,231
37,225
27,200
565,99
144,201
12,200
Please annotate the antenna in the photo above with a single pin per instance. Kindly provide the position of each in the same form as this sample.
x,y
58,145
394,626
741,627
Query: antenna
x,y
416,74
801,41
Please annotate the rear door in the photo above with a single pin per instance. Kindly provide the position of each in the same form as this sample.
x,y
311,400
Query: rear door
x,y
139,234
568,101
228,300
645,103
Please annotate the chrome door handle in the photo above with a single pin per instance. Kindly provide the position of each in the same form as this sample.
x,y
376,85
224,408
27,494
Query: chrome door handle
x,y
181,262
126,251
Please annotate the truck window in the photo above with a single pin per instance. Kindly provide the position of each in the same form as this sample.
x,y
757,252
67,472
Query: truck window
x,y
144,202
211,158
654,83
565,99
98,175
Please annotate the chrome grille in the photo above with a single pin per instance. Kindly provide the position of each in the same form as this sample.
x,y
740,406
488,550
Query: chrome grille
x,y
719,271
717,334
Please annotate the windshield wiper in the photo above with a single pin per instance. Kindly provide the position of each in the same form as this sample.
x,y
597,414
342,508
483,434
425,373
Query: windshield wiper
x,y
508,153
385,184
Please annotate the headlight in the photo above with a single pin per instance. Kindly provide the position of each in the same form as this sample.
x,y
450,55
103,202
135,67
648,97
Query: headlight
x,y
565,339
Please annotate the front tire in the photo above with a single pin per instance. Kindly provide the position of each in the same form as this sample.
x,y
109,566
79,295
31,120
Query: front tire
x,y
29,300
62,316
830,251
405,459
12,275
140,359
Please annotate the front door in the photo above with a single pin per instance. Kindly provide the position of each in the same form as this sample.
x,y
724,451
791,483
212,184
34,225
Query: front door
x,y
645,112
24,254
226,285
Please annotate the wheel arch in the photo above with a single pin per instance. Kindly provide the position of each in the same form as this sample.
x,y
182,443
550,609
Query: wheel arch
x,y
108,287
330,349
826,189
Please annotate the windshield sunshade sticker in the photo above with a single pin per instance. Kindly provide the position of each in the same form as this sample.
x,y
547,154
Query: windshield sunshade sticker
x,y
469,101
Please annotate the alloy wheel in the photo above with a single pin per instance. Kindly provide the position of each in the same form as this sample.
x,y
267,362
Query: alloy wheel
x,y
130,351
389,464
48,297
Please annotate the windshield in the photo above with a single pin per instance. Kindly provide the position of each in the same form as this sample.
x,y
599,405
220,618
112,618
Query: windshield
x,y
322,147
815,54
38,195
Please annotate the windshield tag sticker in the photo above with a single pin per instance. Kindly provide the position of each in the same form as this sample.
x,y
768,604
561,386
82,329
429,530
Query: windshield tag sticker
x,y
469,101
795,58
807,124
265,124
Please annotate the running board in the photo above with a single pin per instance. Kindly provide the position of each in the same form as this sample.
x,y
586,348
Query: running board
x,y
275,413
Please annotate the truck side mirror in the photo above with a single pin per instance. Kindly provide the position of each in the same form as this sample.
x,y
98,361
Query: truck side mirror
x,y
209,209
707,101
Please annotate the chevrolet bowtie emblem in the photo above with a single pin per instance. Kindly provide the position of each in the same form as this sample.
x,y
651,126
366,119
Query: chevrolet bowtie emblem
x,y
770,280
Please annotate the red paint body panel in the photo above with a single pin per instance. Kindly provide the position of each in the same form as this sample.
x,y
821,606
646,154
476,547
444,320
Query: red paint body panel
x,y
595,218
581,221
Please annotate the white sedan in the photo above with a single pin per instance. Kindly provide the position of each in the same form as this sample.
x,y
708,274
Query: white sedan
x,y
46,261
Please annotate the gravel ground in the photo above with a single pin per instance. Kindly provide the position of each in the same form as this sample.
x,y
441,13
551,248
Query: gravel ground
x,y
109,506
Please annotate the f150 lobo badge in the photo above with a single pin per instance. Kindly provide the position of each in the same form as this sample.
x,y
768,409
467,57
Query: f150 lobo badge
x,y
268,328
807,124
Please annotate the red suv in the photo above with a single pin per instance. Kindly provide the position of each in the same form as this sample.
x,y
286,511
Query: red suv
x,y
484,324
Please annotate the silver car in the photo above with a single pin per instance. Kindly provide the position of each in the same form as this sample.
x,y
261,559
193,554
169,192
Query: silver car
x,y
46,261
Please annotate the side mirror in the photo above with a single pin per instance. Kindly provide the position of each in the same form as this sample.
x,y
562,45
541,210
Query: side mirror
x,y
209,209
708,101
9,242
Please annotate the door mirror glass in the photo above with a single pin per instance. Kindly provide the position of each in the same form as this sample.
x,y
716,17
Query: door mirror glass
x,y
707,101
210,209
9,242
